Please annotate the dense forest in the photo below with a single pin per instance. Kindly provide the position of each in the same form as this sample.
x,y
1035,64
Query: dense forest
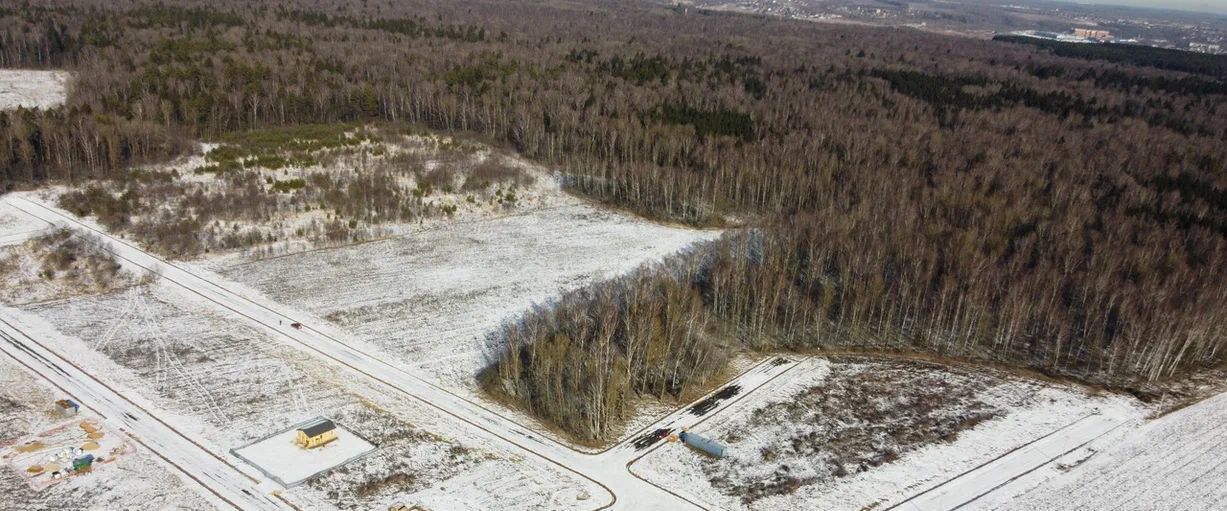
x,y
884,188
1162,58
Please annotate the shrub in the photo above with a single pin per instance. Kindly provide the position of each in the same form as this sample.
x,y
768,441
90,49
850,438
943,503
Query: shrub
x,y
491,172
289,185
441,177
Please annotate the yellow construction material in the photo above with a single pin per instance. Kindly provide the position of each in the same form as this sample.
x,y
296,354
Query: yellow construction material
x,y
316,434
310,442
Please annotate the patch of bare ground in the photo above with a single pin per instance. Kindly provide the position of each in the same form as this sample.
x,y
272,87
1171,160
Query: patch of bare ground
x,y
1164,396
862,416
1179,393
55,266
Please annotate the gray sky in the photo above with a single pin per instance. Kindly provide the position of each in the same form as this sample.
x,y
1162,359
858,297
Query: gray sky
x,y
1215,6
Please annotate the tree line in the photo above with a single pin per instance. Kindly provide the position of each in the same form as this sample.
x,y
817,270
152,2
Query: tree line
x,y
1162,58
580,363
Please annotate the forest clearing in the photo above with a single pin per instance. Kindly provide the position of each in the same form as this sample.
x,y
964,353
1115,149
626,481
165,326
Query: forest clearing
x,y
31,88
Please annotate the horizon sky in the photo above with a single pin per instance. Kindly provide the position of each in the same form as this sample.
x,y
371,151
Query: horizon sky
x,y
1211,6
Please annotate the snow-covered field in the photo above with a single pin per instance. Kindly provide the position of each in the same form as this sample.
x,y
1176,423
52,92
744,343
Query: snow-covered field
x,y
25,403
273,192
431,298
1176,462
169,347
16,227
30,88
226,385
772,451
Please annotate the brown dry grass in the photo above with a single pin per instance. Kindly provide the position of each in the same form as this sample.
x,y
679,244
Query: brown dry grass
x,y
493,171
863,415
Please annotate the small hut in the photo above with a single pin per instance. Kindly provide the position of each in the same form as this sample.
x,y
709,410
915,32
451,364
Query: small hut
x,y
316,434
67,407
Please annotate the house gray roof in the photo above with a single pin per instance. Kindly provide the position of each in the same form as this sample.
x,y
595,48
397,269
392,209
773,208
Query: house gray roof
x,y
318,428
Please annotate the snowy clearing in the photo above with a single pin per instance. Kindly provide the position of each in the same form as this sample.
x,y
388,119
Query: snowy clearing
x,y
228,385
16,226
25,403
271,192
281,458
1175,462
432,297
791,446
344,357
28,88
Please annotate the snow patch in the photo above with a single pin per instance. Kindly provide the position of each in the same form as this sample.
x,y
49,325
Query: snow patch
x,y
27,88
1174,462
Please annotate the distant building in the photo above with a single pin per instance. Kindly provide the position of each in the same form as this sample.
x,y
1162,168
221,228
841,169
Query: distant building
x,y
67,407
316,434
1053,36
1092,33
1206,48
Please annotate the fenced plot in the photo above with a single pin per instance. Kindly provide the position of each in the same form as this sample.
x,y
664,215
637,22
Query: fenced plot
x,y
281,459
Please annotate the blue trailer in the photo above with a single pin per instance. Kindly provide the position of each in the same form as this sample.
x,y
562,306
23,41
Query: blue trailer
x,y
711,447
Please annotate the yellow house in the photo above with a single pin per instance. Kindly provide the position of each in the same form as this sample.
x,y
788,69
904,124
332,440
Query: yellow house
x,y
316,434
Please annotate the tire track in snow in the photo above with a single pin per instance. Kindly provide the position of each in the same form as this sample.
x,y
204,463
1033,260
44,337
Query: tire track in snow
x,y
119,402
